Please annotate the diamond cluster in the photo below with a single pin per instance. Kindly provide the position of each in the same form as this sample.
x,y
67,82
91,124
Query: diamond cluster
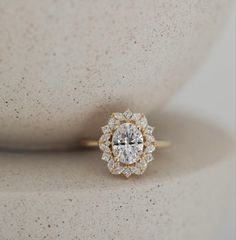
x,y
127,143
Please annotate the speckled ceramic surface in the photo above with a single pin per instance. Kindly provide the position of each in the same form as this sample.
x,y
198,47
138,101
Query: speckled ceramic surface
x,y
66,65
182,195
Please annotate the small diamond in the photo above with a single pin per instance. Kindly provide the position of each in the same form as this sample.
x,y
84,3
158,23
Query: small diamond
x,y
104,143
111,165
136,116
150,148
150,139
104,138
113,122
149,130
128,114
137,171
127,172
119,116
148,157
106,129
142,122
142,165
118,169
106,156
133,169
104,147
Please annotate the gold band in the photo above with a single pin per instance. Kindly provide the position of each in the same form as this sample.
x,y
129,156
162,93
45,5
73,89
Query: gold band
x,y
162,144
94,143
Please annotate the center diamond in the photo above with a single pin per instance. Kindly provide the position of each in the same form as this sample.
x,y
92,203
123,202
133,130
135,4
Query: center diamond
x,y
127,143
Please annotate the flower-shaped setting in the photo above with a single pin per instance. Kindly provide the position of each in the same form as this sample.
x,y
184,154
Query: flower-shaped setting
x,y
127,143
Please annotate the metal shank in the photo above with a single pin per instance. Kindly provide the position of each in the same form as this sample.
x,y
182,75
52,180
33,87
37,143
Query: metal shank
x,y
94,143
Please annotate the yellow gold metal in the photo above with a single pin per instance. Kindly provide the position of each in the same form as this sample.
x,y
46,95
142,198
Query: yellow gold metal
x,y
94,143
162,144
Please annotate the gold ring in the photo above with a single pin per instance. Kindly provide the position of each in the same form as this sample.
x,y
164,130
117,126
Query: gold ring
x,y
127,143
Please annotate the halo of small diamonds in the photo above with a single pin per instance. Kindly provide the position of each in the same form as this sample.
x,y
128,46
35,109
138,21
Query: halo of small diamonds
x,y
127,143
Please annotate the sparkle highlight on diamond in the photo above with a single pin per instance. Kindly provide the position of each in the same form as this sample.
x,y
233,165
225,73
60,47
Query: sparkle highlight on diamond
x,y
127,143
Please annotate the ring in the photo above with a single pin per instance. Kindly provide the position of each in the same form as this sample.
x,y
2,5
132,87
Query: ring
x,y
127,143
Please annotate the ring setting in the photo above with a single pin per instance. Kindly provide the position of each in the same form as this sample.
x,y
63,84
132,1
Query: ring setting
x,y
127,143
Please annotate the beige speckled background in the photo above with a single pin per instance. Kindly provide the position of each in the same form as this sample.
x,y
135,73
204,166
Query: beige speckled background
x,y
186,190
66,65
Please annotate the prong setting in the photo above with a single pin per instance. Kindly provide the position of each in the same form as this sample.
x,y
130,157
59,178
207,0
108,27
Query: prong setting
x,y
127,143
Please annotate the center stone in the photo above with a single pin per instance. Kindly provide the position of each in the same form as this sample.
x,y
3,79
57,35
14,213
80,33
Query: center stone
x,y
127,143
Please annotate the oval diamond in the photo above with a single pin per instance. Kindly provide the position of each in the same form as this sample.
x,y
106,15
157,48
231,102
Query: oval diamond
x,y
127,143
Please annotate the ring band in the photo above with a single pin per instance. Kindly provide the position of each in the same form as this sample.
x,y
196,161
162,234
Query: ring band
x,y
86,143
